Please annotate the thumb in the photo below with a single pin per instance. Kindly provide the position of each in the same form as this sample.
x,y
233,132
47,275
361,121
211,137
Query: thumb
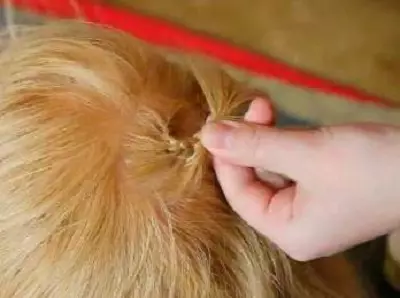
x,y
289,152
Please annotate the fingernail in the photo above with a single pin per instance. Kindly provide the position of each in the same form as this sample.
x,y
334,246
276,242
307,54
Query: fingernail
x,y
255,100
217,135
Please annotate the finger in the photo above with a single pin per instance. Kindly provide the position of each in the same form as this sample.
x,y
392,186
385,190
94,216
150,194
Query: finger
x,y
267,212
234,179
260,112
286,152
279,216
273,179
245,193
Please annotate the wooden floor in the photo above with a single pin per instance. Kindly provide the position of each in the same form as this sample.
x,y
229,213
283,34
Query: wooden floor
x,y
353,41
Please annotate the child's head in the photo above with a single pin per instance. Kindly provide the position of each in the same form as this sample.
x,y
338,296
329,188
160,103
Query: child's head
x,y
105,191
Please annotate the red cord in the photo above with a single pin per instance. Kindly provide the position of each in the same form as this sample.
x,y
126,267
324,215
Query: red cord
x,y
163,33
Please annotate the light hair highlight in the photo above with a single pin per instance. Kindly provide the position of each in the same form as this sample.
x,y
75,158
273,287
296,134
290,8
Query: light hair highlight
x,y
105,190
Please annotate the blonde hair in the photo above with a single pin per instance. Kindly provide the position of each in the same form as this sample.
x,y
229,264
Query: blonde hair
x,y
105,190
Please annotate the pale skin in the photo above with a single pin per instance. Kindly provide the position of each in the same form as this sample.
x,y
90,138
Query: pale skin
x,y
345,186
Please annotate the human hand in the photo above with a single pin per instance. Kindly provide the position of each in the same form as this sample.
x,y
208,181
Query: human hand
x,y
345,190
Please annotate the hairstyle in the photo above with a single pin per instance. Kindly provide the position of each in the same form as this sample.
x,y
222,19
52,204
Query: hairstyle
x,y
105,190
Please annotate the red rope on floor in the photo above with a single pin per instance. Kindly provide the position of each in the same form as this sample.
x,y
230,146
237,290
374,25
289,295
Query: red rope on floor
x,y
163,33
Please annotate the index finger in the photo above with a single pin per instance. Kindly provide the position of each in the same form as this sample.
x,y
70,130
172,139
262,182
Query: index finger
x,y
288,152
249,197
